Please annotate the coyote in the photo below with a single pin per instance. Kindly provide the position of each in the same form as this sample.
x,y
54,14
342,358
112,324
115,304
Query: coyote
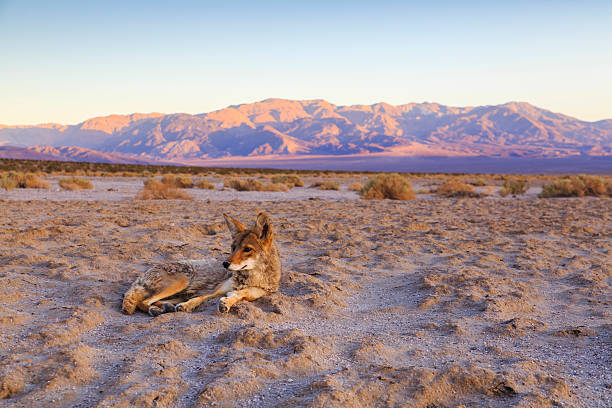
x,y
252,270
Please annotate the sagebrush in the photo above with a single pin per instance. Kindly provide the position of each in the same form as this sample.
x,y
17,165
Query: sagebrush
x,y
290,180
578,186
12,179
389,186
158,190
239,184
326,185
75,183
177,181
456,188
513,187
205,184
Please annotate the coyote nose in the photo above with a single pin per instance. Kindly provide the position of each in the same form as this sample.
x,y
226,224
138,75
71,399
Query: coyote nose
x,y
226,264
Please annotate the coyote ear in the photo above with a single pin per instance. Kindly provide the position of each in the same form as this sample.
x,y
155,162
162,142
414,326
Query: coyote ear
x,y
234,226
263,229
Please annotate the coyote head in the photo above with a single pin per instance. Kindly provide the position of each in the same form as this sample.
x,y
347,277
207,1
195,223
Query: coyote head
x,y
250,247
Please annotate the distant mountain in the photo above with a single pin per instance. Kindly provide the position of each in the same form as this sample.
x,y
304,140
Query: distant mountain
x,y
68,153
287,128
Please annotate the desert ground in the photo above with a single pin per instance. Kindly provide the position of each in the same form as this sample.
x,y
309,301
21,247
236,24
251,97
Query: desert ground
x,y
432,302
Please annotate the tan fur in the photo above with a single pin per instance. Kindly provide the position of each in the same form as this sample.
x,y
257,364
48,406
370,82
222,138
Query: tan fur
x,y
254,270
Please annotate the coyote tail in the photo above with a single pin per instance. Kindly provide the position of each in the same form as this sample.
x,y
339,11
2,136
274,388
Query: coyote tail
x,y
133,297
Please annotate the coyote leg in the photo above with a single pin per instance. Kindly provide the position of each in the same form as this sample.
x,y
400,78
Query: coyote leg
x,y
172,289
164,306
192,303
244,294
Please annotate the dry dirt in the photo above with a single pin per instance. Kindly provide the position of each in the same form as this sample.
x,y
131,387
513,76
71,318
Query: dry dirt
x,y
424,303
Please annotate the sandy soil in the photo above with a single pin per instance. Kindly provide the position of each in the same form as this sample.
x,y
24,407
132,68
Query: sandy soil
x,y
425,303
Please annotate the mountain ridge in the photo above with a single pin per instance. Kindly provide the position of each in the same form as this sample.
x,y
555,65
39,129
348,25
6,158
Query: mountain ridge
x,y
284,128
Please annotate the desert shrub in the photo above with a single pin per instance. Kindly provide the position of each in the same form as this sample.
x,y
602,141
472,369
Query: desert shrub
x,y
577,186
13,179
456,188
276,187
514,187
355,186
239,184
330,185
326,185
183,181
480,182
33,181
177,181
75,183
290,180
8,181
205,184
158,190
391,186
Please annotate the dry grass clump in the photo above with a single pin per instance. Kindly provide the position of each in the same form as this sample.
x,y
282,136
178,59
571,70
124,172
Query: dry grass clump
x,y
456,188
158,190
480,182
514,187
13,179
205,184
578,186
355,186
75,183
391,186
239,184
326,185
177,181
290,180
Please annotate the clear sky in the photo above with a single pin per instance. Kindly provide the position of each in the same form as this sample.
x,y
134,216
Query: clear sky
x,y
66,61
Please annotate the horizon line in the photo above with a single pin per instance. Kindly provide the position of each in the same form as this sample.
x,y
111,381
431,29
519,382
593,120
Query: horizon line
x,y
289,100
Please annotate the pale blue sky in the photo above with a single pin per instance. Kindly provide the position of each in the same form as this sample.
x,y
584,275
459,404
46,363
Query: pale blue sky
x,y
66,61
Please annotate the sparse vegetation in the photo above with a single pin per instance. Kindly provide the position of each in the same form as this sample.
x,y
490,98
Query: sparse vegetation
x,y
326,185
75,183
456,188
355,186
390,186
578,186
158,190
146,170
177,181
13,179
239,184
290,180
514,187
480,182
205,184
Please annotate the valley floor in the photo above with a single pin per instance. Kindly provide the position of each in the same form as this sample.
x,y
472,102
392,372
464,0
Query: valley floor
x,y
424,303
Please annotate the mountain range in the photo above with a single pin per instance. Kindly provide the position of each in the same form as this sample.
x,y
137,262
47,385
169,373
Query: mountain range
x,y
290,128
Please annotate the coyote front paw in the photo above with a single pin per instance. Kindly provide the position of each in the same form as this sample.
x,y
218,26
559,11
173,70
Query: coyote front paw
x,y
223,306
183,307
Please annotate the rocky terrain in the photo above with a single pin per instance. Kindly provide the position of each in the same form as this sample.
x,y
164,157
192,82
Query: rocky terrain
x,y
424,303
289,128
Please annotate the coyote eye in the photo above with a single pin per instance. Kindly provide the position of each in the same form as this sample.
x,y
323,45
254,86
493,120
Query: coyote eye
x,y
247,249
